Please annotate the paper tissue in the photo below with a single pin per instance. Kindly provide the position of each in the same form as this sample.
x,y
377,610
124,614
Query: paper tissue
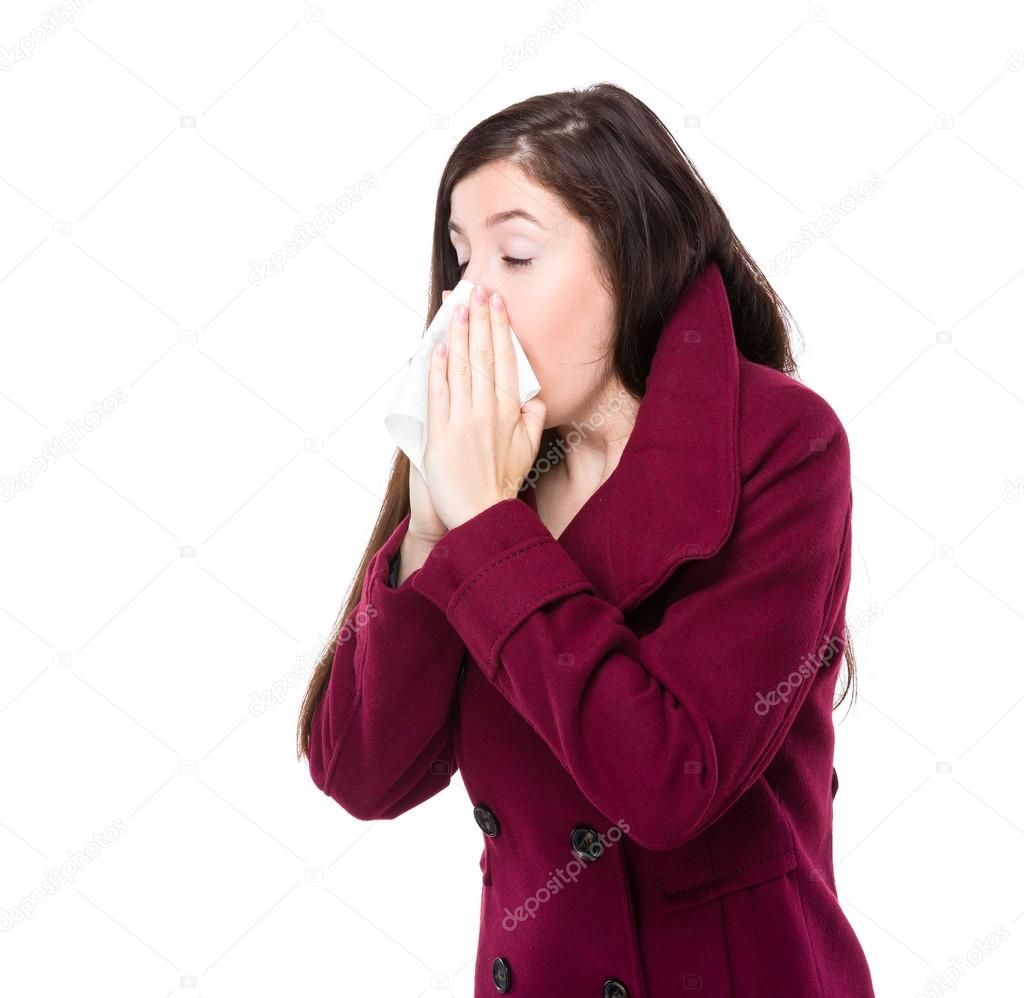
x,y
406,420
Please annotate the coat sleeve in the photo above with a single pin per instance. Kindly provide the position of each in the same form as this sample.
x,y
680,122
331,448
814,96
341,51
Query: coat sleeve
x,y
667,730
381,739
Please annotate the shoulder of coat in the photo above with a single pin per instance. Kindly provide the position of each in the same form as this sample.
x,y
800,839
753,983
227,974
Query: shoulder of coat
x,y
778,413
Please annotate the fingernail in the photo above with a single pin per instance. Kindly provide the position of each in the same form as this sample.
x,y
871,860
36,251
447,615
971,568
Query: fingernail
x,y
461,312
497,302
479,293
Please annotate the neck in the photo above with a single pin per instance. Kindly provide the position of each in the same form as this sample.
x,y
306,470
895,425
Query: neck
x,y
589,446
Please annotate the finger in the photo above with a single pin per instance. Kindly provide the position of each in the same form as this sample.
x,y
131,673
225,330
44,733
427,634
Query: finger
x,y
506,370
534,417
481,351
457,364
437,393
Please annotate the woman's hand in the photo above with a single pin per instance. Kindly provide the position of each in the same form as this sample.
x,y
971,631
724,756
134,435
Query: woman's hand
x,y
424,523
480,441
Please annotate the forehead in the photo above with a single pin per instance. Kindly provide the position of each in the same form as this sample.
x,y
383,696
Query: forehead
x,y
498,191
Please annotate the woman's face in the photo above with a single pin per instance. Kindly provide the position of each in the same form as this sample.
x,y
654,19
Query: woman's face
x,y
557,305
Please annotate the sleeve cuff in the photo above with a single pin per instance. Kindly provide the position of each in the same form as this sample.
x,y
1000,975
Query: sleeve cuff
x,y
491,572
378,589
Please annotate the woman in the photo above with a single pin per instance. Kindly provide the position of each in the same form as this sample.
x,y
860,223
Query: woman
x,y
618,610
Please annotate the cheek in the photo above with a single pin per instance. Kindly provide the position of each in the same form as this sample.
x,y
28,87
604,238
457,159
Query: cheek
x,y
563,324
559,355
545,338
551,320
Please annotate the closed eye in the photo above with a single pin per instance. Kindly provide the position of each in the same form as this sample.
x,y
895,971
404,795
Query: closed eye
x,y
512,261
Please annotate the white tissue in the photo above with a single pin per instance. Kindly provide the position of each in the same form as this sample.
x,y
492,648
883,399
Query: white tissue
x,y
406,420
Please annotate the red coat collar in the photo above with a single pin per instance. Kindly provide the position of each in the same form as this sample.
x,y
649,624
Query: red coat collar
x,y
674,494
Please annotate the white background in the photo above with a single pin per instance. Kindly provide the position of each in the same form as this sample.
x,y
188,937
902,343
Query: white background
x,y
189,551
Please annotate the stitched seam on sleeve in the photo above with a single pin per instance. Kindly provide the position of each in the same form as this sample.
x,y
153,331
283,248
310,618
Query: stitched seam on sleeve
x,y
474,579
564,589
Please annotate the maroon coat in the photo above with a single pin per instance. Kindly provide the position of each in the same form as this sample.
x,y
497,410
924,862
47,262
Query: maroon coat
x,y
642,708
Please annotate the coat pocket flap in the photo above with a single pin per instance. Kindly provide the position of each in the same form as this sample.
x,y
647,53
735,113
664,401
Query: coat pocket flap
x,y
679,883
749,844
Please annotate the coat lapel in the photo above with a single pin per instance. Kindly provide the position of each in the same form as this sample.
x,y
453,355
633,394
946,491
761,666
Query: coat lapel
x,y
673,496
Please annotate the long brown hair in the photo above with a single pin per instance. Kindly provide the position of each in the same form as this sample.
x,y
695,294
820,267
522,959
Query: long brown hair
x,y
619,170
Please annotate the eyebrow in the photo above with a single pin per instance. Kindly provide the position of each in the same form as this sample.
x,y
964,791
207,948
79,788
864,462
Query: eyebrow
x,y
501,216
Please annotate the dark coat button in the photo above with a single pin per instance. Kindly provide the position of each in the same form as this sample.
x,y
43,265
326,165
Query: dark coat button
x,y
614,989
486,820
586,843
501,972
462,672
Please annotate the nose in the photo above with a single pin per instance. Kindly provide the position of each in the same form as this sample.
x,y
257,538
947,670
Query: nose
x,y
481,276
